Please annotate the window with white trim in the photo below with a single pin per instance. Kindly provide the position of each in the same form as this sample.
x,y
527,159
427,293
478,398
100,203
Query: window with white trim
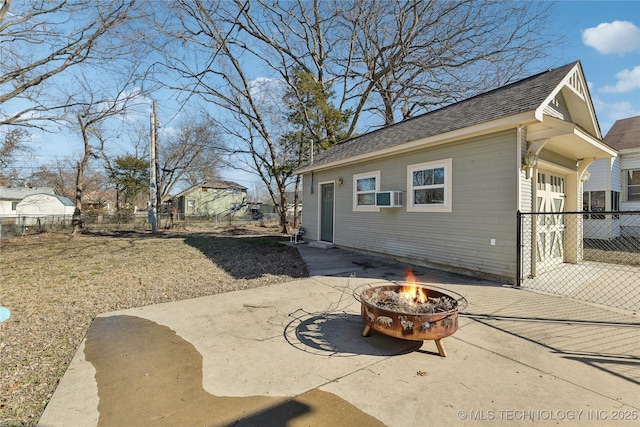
x,y
429,186
633,185
365,186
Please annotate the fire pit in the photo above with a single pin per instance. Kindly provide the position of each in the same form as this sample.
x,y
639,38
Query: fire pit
x,y
410,311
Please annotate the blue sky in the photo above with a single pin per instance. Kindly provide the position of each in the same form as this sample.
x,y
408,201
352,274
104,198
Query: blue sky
x,y
603,35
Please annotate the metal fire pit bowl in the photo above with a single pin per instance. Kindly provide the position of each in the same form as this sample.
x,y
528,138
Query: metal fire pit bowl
x,y
410,326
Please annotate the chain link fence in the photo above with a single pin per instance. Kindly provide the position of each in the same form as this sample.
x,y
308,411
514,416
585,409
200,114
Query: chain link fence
x,y
93,222
589,256
30,224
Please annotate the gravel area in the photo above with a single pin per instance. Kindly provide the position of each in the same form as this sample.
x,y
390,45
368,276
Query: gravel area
x,y
55,285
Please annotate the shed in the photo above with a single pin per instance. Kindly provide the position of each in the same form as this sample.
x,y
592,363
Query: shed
x,y
44,207
11,196
443,189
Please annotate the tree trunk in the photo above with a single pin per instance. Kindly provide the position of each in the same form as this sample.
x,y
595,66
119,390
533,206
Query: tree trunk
x,y
296,200
283,208
76,221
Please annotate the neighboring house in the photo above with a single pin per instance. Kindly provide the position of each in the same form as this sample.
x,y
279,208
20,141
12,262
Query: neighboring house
x,y
42,207
212,198
614,184
11,196
443,189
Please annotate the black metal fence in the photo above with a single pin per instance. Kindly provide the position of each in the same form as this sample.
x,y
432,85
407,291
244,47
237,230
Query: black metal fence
x,y
589,256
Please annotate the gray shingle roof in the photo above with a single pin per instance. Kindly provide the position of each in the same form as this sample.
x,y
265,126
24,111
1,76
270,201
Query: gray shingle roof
x,y
219,184
222,184
515,98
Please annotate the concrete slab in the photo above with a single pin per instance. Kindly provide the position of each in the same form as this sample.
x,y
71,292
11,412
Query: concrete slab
x,y
321,245
292,354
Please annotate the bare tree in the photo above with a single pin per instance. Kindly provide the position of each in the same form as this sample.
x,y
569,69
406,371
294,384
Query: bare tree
x,y
43,39
12,144
396,58
191,155
412,56
95,104
59,175
390,59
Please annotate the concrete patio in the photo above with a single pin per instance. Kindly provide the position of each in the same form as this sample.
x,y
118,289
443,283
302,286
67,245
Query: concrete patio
x,y
292,354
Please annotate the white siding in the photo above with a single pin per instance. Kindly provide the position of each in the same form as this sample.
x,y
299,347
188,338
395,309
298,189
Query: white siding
x,y
484,205
309,207
558,108
616,175
630,161
600,171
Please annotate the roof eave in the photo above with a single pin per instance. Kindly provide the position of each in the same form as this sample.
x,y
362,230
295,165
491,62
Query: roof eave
x,y
570,140
574,74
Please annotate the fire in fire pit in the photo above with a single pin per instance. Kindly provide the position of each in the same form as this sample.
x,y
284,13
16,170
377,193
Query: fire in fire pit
x,y
410,311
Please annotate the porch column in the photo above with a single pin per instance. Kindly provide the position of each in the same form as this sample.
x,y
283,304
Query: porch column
x,y
573,223
573,234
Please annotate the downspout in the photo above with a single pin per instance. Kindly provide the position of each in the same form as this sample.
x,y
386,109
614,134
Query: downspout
x,y
519,163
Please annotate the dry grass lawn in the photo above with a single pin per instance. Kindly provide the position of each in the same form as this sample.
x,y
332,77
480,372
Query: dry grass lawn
x,y
55,285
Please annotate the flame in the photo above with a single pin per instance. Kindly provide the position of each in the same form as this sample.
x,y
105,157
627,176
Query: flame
x,y
410,291
409,277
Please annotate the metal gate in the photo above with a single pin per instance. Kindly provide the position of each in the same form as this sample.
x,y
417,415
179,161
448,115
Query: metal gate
x,y
600,260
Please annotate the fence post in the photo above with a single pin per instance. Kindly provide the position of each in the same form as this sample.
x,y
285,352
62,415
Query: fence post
x,y
518,248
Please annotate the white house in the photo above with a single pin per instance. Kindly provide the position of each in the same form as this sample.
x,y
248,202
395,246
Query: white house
x,y
614,184
443,189
43,207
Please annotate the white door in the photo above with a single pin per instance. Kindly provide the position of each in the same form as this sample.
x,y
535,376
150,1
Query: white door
x,y
550,227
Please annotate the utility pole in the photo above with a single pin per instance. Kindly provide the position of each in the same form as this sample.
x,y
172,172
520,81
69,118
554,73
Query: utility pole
x,y
153,178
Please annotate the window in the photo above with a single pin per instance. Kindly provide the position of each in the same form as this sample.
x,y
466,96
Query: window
x,y
593,201
14,205
615,203
191,206
429,186
633,185
365,186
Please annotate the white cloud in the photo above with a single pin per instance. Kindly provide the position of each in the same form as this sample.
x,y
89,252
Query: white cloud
x,y
609,113
613,37
628,80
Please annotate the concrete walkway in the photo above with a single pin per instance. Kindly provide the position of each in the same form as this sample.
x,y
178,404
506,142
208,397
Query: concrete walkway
x,y
292,354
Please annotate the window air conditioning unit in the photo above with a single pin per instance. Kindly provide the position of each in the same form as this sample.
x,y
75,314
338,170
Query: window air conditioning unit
x,y
389,199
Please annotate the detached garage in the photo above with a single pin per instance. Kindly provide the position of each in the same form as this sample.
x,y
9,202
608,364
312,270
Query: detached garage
x,y
443,189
